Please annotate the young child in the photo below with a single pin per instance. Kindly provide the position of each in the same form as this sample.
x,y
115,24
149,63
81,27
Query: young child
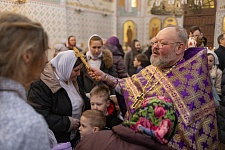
x,y
151,126
91,121
100,100
140,61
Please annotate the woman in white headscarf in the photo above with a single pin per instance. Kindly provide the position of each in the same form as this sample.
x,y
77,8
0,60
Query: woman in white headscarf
x,y
58,96
97,57
215,72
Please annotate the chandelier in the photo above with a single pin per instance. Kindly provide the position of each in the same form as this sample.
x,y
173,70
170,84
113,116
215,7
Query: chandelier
x,y
19,1
176,7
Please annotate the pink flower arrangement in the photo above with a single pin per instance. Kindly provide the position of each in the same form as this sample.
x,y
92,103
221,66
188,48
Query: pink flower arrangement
x,y
143,122
164,98
164,128
154,119
159,111
145,102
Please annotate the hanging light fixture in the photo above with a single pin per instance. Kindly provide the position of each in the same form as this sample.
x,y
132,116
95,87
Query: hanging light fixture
x,y
176,7
193,7
19,1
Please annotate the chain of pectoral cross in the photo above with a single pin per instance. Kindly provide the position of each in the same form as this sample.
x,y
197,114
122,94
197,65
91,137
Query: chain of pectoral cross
x,y
140,98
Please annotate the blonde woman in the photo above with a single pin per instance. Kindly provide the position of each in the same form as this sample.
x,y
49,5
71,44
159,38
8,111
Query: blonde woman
x,y
23,44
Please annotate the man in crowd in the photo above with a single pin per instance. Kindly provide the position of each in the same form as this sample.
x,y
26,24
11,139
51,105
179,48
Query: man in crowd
x,y
220,52
181,75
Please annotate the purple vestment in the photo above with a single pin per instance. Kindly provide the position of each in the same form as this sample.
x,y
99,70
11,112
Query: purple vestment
x,y
188,85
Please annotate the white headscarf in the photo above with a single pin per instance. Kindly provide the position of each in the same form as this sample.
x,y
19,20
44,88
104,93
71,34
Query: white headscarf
x,y
93,63
215,56
63,63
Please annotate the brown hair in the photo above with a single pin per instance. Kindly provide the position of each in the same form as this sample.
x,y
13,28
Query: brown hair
x,y
200,41
195,28
96,117
96,38
143,59
101,90
68,40
135,52
220,37
19,35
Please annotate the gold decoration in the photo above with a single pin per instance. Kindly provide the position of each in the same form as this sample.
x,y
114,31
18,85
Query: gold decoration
x,y
81,56
140,98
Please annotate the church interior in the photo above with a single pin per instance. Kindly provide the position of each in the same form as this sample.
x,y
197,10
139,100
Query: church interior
x,y
127,19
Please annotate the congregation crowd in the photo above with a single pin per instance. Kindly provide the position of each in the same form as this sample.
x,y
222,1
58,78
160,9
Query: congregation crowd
x,y
170,95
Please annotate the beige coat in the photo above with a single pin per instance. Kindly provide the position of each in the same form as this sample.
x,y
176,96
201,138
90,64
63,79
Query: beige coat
x,y
216,75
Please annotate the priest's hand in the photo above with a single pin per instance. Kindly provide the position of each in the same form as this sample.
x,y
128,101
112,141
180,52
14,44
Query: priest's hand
x,y
96,74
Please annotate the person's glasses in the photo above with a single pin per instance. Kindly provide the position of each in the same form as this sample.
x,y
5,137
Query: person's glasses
x,y
160,45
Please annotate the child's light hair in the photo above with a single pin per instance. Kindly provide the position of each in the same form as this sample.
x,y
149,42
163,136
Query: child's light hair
x,y
96,117
102,91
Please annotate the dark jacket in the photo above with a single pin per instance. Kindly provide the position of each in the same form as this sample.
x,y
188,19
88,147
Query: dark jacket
x,y
106,66
118,61
148,53
112,119
129,62
119,138
52,101
221,120
221,112
220,52
223,83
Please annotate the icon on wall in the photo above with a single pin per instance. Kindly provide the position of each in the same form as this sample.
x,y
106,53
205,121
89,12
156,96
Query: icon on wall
x,y
129,33
223,25
154,27
169,21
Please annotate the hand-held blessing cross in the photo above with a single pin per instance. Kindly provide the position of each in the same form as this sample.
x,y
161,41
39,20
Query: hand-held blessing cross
x,y
81,56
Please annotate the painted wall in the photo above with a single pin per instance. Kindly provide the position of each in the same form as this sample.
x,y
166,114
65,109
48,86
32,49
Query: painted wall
x,y
104,17
60,19
141,17
220,14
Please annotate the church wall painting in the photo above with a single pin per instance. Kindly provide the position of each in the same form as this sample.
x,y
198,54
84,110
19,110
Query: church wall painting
x,y
129,32
154,27
223,30
169,21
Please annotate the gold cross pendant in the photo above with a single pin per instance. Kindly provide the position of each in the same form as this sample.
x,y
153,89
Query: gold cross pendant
x,y
139,100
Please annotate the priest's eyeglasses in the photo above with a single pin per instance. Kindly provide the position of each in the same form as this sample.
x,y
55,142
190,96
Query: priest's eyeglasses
x,y
160,45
